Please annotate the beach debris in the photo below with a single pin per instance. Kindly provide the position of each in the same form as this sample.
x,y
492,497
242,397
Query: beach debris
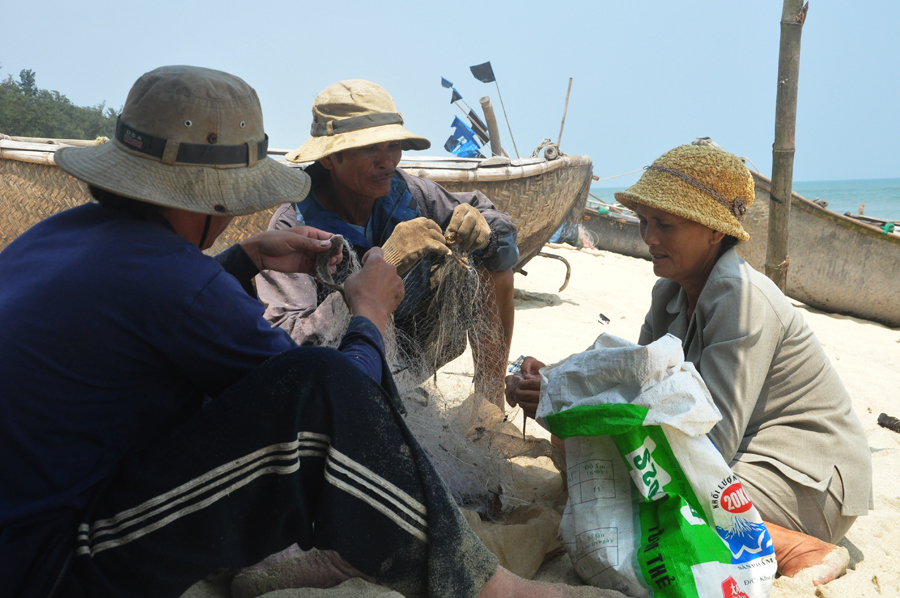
x,y
322,273
603,319
891,423
516,366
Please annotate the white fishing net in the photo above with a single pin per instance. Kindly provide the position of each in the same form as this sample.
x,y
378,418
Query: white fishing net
x,y
469,439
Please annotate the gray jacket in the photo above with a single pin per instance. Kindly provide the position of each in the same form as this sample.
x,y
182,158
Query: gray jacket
x,y
782,402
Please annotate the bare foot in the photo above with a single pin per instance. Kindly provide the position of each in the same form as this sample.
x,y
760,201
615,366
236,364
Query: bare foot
x,y
509,585
294,568
805,557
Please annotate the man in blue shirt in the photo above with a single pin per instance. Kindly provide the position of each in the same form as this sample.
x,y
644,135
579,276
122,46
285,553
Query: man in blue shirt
x,y
155,428
357,191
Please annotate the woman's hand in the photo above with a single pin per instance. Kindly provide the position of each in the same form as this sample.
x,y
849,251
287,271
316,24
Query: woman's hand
x,y
290,250
375,291
524,389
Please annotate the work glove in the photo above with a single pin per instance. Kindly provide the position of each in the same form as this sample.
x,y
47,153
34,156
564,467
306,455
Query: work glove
x,y
411,240
468,228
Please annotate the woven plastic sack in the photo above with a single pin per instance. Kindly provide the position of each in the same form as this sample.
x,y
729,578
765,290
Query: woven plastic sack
x,y
653,508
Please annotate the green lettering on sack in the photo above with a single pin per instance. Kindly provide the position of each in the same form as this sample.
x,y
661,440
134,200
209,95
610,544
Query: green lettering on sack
x,y
669,542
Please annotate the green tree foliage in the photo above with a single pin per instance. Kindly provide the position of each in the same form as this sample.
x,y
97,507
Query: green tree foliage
x,y
27,111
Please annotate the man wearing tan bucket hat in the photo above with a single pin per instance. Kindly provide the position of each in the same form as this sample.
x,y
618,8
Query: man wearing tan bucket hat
x,y
355,146
118,478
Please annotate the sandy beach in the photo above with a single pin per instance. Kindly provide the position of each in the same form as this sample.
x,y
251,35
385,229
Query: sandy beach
x,y
605,286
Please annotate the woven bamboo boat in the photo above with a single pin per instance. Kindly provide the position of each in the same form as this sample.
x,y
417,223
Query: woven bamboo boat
x,y
539,194
837,264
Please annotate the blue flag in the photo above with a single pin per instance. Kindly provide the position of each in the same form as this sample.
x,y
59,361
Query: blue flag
x,y
483,72
446,83
462,142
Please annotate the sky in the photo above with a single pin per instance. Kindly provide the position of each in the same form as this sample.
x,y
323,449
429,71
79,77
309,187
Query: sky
x,y
648,75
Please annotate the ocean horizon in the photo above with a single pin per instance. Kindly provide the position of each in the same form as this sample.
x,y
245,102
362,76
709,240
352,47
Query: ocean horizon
x,y
880,196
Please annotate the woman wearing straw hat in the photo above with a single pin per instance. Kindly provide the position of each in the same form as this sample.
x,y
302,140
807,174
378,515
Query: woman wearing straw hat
x,y
788,428
355,145
116,479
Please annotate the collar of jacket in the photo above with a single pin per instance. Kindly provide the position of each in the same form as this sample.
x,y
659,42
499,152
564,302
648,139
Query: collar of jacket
x,y
387,212
728,262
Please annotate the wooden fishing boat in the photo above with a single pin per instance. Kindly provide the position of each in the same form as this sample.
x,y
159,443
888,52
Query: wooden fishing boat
x,y
539,194
837,264
613,230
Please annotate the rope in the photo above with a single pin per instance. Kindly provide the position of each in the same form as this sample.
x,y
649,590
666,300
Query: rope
x,y
618,175
506,119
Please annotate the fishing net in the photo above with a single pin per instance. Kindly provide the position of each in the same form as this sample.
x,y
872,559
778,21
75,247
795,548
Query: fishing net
x,y
475,448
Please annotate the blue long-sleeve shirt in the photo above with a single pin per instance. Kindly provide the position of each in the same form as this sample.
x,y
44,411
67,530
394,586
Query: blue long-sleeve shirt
x,y
112,331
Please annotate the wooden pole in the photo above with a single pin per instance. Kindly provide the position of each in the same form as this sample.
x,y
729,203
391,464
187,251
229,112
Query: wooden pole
x,y
777,259
566,109
491,120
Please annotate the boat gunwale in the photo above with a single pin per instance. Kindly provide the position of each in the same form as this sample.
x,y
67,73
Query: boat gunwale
x,y
501,173
820,212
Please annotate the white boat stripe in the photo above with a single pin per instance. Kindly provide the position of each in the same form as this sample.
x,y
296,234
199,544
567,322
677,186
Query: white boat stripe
x,y
402,523
377,479
308,439
378,491
97,531
85,550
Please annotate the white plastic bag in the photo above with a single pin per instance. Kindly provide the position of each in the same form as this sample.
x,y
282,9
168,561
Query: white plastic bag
x,y
653,508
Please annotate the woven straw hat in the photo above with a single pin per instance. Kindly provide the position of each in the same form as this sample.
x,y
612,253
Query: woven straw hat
x,y
189,138
699,183
350,114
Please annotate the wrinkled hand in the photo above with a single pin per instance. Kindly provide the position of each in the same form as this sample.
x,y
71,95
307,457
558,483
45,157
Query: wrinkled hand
x,y
524,389
471,229
291,250
411,241
375,291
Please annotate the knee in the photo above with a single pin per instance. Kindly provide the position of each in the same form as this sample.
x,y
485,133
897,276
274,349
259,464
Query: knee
x,y
502,281
307,367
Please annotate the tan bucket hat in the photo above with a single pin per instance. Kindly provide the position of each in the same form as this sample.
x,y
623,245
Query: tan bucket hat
x,y
697,182
189,138
350,114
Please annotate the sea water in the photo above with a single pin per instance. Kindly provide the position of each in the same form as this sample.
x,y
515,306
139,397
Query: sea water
x,y
880,196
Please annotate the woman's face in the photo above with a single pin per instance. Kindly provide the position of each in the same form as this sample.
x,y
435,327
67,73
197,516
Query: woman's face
x,y
682,250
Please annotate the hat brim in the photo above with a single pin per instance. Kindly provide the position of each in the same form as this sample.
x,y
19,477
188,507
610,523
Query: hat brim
x,y
232,191
316,148
660,190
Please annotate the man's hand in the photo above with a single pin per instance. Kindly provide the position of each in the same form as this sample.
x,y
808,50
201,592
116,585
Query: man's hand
x,y
291,250
375,291
471,229
411,241
524,389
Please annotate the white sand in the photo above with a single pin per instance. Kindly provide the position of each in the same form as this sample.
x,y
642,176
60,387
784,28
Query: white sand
x,y
554,325
866,355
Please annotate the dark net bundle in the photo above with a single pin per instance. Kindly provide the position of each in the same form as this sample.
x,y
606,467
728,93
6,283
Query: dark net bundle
x,y
468,439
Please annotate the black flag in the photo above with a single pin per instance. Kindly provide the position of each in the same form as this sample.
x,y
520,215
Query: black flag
x,y
451,143
483,72
479,127
456,97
